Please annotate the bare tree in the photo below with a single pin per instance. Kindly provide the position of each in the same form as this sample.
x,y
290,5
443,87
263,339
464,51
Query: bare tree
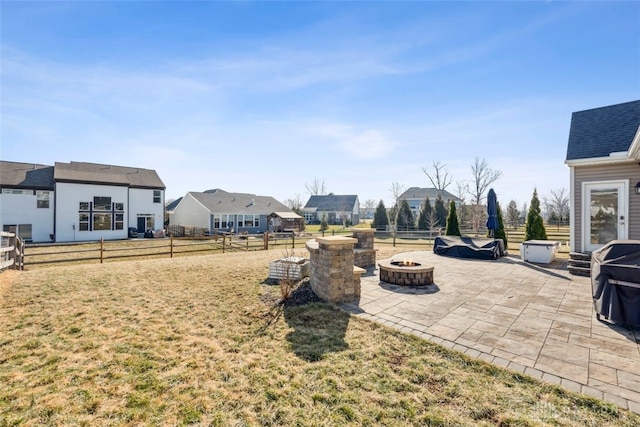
x,y
557,204
295,203
439,178
483,177
396,190
513,215
315,187
462,190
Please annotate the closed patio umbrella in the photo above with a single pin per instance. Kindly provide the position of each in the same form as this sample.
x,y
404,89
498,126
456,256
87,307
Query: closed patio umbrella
x,y
492,212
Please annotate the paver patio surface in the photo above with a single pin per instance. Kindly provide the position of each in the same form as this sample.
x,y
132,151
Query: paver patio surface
x,y
534,319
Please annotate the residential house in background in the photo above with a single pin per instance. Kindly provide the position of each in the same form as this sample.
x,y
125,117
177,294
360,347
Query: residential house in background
x,y
78,201
416,196
603,155
221,211
337,209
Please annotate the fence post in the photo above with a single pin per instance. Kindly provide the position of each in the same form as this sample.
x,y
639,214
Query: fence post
x,y
101,249
171,243
247,243
224,242
20,253
265,242
293,240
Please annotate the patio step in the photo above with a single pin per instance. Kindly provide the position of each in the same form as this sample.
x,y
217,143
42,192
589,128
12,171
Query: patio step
x,y
579,263
579,271
583,256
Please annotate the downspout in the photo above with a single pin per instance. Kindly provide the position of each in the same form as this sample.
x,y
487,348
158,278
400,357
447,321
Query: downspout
x,y
572,207
55,209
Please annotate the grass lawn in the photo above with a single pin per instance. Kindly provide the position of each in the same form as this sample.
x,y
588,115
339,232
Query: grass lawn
x,y
199,340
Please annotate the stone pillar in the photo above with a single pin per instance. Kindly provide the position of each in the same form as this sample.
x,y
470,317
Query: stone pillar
x,y
333,275
364,254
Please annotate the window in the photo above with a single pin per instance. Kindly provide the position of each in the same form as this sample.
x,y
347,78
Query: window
x,y
119,225
248,221
102,221
101,215
102,203
222,220
83,222
43,199
22,230
157,196
16,191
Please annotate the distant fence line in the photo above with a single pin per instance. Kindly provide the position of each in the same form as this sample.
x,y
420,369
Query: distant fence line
x,y
117,249
11,251
197,242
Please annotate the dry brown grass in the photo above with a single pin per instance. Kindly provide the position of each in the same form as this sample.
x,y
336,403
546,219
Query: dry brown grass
x,y
190,341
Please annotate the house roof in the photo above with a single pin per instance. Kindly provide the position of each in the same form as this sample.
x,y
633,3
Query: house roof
x,y
432,193
331,203
220,201
601,131
26,175
171,206
107,174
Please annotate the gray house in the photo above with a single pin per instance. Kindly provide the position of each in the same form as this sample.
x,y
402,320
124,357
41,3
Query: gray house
x,y
416,196
220,211
337,209
603,155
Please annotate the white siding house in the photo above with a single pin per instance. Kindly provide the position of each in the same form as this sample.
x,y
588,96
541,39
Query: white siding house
x,y
79,201
220,211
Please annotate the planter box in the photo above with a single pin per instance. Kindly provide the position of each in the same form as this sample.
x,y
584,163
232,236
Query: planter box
x,y
539,251
294,268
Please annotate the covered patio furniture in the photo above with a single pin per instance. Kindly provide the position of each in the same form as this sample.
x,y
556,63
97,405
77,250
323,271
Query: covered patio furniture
x,y
467,247
615,281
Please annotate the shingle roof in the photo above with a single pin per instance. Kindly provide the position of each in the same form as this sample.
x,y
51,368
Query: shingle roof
x,y
26,175
601,131
432,193
107,174
331,202
220,201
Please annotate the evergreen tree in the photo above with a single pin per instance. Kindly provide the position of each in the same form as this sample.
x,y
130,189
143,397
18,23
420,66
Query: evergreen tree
x,y
453,229
441,211
534,229
405,216
324,225
424,218
380,217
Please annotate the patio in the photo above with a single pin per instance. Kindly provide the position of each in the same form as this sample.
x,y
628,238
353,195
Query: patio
x,y
534,319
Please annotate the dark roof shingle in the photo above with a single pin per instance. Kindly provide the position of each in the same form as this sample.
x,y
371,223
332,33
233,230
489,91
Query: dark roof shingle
x,y
107,174
331,202
601,131
26,175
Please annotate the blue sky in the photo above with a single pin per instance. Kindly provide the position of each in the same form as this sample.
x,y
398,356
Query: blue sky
x,y
263,97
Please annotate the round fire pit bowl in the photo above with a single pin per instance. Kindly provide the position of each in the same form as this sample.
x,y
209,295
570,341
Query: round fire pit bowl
x,y
405,273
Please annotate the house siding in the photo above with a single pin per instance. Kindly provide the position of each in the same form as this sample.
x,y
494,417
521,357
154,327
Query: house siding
x,y
141,204
22,209
192,213
68,198
582,174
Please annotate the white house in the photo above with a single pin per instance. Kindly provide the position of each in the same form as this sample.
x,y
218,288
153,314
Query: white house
x,y
218,210
78,201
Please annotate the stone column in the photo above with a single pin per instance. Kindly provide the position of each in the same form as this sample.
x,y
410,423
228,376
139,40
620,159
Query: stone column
x,y
365,255
333,275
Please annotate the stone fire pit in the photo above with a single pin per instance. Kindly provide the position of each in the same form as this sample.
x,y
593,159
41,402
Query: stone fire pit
x,y
405,272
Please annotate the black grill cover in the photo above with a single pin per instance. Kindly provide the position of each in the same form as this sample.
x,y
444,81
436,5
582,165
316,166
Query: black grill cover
x,y
618,260
466,247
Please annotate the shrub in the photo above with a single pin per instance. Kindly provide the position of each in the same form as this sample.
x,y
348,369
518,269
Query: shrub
x,y
453,228
534,229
